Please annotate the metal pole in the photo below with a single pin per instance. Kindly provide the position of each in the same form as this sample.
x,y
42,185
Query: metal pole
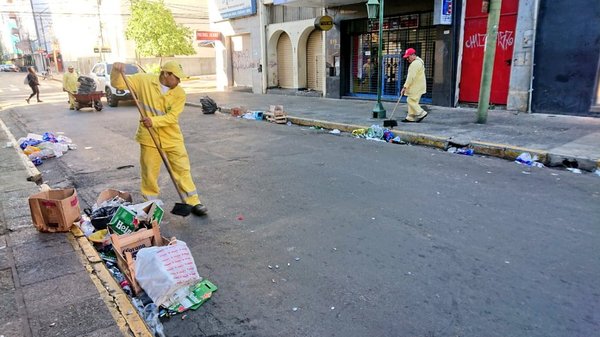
x,y
488,61
379,110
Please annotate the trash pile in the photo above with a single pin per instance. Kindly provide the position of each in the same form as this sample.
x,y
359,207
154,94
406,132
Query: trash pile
x,y
377,133
276,114
41,147
461,150
158,273
87,85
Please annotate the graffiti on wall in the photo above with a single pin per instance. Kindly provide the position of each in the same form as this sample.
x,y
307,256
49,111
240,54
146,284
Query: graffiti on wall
x,y
505,40
242,60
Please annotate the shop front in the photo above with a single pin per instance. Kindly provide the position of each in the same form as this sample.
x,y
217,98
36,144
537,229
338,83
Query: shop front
x,y
361,41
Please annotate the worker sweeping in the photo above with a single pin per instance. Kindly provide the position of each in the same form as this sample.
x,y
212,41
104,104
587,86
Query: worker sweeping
x,y
414,87
162,101
70,85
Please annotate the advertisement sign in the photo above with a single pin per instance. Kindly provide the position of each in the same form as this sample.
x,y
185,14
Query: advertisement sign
x,y
446,17
207,36
230,9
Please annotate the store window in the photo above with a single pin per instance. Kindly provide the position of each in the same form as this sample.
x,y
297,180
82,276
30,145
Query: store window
x,y
399,33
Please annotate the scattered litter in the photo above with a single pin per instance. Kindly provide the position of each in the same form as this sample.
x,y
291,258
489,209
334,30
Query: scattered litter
x,y
525,158
183,317
88,147
295,309
297,258
335,132
270,266
555,174
507,262
289,264
574,170
597,172
332,308
334,249
8,144
42,147
52,324
273,280
489,172
240,217
397,140
124,167
525,172
461,150
288,123
276,266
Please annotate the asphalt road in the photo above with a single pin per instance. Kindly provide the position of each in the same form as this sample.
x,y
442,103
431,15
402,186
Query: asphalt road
x,y
364,238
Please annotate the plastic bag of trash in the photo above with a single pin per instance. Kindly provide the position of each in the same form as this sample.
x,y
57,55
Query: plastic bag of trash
x,y
209,106
163,270
375,131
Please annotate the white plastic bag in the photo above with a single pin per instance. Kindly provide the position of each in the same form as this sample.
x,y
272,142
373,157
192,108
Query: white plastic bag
x,y
161,271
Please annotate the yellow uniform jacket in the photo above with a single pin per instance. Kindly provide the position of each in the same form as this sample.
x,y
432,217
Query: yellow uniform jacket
x,y
415,81
163,109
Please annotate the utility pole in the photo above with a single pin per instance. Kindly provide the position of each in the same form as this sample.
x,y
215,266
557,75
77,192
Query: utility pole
x,y
488,60
99,2
37,31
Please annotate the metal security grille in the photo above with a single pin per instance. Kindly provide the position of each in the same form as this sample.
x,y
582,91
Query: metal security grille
x,y
399,33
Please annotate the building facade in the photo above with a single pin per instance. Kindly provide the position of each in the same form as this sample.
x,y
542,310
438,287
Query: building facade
x,y
279,46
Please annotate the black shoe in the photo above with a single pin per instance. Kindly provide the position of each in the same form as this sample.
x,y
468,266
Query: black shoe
x,y
199,210
71,108
407,121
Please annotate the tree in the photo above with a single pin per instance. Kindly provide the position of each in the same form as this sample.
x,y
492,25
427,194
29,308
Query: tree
x,y
155,32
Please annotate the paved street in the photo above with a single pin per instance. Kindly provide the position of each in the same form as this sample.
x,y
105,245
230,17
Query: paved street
x,y
364,238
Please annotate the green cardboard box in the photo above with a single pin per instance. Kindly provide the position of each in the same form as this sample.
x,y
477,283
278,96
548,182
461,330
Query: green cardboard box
x,y
199,293
126,220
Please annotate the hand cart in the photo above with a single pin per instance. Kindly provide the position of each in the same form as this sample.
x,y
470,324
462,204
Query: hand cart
x,y
91,100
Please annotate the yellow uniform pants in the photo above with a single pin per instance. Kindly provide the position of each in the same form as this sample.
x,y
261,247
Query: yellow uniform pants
x,y
72,100
414,109
151,162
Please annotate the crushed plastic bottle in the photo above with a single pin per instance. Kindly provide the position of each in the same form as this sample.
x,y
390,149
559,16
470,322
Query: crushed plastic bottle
x,y
121,280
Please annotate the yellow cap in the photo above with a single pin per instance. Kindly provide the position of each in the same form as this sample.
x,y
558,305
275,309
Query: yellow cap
x,y
175,68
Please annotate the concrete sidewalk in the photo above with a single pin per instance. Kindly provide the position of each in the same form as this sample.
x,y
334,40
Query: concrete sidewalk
x,y
51,284
553,138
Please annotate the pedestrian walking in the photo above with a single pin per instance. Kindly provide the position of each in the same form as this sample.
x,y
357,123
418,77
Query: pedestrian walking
x,y
70,85
162,100
414,87
34,83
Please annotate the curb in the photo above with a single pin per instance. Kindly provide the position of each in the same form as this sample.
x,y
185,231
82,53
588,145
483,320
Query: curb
x,y
124,313
503,151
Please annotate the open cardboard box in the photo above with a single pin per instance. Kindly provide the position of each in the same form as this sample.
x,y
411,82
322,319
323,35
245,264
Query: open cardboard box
x,y
54,210
126,247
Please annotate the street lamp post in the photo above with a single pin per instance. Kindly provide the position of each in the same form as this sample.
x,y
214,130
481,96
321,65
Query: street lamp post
x,y
374,7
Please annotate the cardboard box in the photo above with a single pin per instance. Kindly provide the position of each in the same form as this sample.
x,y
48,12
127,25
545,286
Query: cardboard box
x,y
110,193
126,247
54,210
126,221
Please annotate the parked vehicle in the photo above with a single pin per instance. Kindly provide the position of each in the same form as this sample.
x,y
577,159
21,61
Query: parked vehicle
x,y
9,68
101,75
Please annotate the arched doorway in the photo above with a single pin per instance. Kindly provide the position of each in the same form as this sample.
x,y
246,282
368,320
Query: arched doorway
x,y
314,61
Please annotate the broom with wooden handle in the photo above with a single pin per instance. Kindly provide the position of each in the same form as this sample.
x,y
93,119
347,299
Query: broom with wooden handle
x,y
182,208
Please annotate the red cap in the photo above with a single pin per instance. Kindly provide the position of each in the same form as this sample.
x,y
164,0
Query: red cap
x,y
408,52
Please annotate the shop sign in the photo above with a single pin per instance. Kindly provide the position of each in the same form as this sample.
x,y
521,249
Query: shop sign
x,y
208,36
324,23
442,14
230,9
410,21
102,50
